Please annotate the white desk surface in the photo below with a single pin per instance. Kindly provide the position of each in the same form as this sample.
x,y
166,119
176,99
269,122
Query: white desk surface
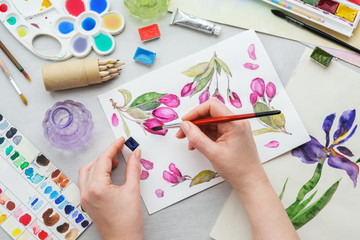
x,y
192,218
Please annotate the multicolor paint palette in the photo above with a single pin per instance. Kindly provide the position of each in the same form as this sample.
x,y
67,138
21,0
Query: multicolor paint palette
x,y
82,25
37,200
340,15
144,56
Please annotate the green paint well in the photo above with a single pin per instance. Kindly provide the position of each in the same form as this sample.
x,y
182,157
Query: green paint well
x,y
322,57
19,161
9,150
15,155
103,42
24,165
11,20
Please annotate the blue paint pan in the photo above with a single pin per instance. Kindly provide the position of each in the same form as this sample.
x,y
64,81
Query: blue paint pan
x,y
144,56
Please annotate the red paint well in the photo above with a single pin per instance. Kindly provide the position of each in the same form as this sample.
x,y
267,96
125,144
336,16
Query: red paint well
x,y
0,190
43,235
25,219
328,5
149,32
3,8
75,7
355,1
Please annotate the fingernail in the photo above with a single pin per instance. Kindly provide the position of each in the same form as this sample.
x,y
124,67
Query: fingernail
x,y
185,127
138,153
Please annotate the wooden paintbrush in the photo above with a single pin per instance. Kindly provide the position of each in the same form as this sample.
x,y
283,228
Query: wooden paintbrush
x,y
206,121
13,83
14,61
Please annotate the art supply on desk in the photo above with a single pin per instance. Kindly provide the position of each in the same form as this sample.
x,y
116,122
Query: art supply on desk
x,y
12,81
314,30
322,57
80,73
14,61
37,199
144,56
78,26
205,121
68,125
146,9
149,33
181,18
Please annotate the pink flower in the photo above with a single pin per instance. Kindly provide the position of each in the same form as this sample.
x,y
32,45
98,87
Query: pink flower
x,y
251,66
253,98
235,100
159,193
165,114
115,120
270,90
174,176
204,96
153,122
218,96
147,164
170,100
273,144
258,86
251,52
187,90
144,175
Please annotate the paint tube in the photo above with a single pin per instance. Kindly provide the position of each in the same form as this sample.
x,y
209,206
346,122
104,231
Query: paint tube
x,y
187,20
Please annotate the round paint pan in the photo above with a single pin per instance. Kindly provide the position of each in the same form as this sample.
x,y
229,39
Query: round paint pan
x,y
22,31
5,7
99,6
65,27
113,22
12,20
89,23
103,43
80,45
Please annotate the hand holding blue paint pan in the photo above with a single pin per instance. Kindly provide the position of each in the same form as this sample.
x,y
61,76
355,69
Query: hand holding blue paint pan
x,y
115,210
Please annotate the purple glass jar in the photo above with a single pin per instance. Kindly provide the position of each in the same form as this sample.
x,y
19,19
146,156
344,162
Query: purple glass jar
x,y
68,125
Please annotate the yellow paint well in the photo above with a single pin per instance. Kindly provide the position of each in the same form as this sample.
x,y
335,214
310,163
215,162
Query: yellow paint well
x,y
16,232
2,218
112,22
346,12
22,32
46,3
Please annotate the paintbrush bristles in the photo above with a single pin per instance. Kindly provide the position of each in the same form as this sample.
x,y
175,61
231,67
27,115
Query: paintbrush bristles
x,y
26,76
23,98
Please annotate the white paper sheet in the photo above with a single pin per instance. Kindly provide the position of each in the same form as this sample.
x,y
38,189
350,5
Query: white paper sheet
x,y
162,151
316,93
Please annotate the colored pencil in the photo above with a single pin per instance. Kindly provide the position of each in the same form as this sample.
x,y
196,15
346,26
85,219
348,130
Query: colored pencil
x,y
314,30
12,81
206,121
107,61
14,61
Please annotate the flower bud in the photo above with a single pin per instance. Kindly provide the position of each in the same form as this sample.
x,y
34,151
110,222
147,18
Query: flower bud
x,y
270,90
253,98
187,90
218,96
235,100
115,120
251,66
258,86
153,122
144,175
147,164
204,96
170,100
251,52
165,114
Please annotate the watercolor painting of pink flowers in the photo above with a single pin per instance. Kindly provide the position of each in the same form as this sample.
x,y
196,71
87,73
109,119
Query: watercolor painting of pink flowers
x,y
335,154
148,110
207,74
174,176
260,98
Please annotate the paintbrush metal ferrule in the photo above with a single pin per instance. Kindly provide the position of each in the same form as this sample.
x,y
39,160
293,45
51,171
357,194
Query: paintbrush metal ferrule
x,y
12,81
168,126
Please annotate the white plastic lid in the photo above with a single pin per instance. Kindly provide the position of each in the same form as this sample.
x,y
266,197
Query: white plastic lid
x,y
217,30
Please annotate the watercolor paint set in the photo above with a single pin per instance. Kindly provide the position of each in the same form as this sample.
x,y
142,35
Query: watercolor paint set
x,y
37,200
78,26
340,15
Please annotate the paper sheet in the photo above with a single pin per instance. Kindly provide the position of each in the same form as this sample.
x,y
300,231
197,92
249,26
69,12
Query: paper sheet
x,y
253,14
316,92
166,156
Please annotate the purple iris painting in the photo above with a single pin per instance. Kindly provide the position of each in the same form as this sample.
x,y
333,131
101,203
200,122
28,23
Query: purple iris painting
x,y
148,111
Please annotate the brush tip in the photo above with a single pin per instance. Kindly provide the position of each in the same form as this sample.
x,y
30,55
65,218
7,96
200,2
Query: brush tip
x,y
27,76
23,98
278,13
159,128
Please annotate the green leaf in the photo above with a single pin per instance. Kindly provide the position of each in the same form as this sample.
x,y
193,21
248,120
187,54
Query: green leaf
x,y
306,188
263,131
125,126
218,67
279,120
358,160
204,176
314,209
302,205
196,70
197,77
202,83
261,107
224,66
149,106
127,96
137,113
283,189
145,98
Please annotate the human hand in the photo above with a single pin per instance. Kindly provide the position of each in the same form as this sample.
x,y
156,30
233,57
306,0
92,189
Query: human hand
x,y
229,146
115,210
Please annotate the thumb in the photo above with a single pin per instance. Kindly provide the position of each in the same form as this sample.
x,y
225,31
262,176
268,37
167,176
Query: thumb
x,y
198,139
133,169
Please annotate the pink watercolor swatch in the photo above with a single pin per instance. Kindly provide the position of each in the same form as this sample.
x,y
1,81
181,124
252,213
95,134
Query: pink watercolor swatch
x,y
251,66
272,144
115,120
